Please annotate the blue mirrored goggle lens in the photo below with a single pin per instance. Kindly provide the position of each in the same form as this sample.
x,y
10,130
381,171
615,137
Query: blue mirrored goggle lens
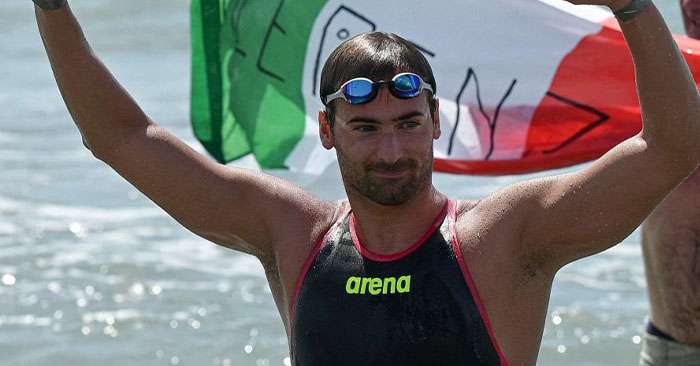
x,y
407,85
358,91
361,90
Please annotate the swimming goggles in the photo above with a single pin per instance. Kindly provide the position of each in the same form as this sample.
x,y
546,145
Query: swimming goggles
x,y
362,90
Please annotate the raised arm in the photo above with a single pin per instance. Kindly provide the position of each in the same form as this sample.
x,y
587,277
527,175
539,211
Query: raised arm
x,y
237,208
573,215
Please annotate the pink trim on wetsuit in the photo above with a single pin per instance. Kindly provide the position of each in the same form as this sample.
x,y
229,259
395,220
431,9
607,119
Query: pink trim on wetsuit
x,y
392,257
470,283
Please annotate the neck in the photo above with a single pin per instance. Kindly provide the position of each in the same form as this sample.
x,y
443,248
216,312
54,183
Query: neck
x,y
389,229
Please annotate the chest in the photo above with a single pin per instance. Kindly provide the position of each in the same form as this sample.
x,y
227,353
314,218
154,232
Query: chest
x,y
412,307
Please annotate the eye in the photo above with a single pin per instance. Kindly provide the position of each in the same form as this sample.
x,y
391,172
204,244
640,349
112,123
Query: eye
x,y
365,128
410,124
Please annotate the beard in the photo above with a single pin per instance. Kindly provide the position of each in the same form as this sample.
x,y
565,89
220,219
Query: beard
x,y
383,190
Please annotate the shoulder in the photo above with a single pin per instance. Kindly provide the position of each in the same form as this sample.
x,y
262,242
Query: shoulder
x,y
488,225
300,233
499,207
507,207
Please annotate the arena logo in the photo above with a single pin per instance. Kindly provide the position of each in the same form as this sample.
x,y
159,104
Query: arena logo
x,y
377,286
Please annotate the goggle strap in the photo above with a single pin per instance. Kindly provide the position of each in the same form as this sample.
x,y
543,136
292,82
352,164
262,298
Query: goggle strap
x,y
334,96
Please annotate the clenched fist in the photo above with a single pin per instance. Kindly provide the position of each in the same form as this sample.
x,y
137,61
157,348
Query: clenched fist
x,y
50,4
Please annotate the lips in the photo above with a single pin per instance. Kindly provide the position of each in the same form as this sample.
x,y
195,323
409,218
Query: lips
x,y
390,173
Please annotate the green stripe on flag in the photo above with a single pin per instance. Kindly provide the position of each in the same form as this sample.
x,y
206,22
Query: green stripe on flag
x,y
247,70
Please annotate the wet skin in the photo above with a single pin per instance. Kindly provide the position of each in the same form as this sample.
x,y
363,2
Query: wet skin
x,y
379,136
514,240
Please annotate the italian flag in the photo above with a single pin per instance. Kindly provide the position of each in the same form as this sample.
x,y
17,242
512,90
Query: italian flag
x,y
524,85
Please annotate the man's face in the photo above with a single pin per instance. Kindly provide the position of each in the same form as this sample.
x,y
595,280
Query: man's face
x,y
384,147
691,17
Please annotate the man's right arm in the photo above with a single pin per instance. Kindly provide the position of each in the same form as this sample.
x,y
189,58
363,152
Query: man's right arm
x,y
237,208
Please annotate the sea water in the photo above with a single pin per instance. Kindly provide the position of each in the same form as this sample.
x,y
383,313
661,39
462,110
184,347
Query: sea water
x,y
92,272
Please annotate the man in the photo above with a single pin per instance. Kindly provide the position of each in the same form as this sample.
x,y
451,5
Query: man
x,y
671,246
398,273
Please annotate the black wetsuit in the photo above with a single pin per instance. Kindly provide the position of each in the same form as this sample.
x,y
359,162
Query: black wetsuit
x,y
417,307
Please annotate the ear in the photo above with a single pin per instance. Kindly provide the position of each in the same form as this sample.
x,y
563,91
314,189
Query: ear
x,y
325,131
436,120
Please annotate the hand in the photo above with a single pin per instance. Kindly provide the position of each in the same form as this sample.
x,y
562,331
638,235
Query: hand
x,y
50,4
691,17
614,5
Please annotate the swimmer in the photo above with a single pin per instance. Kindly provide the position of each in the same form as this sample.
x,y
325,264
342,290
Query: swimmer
x,y
397,274
671,247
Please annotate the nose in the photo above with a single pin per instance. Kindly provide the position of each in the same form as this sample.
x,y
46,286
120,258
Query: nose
x,y
389,149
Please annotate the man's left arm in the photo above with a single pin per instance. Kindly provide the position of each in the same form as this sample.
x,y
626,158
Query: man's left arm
x,y
570,216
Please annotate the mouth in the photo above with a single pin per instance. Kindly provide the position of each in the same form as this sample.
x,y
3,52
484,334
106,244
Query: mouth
x,y
390,173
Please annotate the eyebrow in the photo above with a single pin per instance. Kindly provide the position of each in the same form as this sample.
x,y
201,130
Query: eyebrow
x,y
373,120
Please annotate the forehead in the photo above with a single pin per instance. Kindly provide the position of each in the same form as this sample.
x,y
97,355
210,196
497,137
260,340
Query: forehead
x,y
384,107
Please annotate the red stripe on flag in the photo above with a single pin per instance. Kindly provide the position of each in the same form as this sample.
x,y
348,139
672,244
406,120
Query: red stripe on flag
x,y
591,106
